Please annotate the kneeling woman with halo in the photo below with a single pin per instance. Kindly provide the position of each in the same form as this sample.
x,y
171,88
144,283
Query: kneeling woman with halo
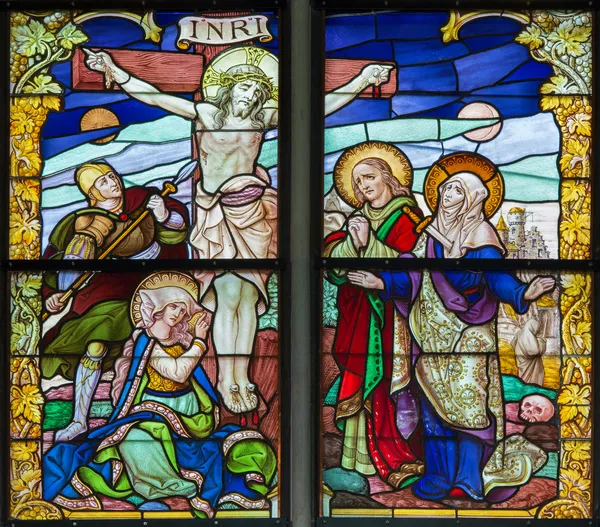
x,y
162,440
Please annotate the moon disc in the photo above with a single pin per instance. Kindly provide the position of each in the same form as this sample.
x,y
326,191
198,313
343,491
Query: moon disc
x,y
481,110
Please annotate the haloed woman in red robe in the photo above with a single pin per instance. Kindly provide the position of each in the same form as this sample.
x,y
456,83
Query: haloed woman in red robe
x,y
372,342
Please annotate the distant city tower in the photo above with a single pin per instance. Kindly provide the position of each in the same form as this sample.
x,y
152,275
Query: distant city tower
x,y
516,225
518,242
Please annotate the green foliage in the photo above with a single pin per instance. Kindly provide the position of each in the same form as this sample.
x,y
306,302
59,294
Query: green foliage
x,y
330,312
26,305
29,284
32,39
269,320
69,36
20,337
44,45
42,84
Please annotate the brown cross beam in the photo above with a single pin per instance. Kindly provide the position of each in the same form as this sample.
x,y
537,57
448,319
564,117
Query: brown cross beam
x,y
174,72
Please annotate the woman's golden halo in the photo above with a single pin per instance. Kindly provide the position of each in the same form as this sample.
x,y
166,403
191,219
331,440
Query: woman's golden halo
x,y
342,173
158,280
452,164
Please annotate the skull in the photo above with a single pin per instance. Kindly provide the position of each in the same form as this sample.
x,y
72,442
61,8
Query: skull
x,y
536,409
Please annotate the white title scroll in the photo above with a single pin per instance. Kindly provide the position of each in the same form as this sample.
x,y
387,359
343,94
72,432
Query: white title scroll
x,y
220,31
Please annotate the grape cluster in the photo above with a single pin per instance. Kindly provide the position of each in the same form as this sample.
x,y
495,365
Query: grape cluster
x,y
577,251
17,252
13,206
55,20
17,19
580,252
24,252
573,283
566,302
32,513
578,105
577,379
565,511
583,64
36,304
586,362
582,19
544,19
37,115
18,63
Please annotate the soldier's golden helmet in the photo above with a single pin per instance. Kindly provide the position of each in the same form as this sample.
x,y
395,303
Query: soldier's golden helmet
x,y
87,175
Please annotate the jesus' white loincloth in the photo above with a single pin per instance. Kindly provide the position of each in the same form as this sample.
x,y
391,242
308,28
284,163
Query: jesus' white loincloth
x,y
238,221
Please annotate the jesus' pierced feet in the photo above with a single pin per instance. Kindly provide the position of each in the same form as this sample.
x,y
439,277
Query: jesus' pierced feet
x,y
248,393
234,332
227,387
238,394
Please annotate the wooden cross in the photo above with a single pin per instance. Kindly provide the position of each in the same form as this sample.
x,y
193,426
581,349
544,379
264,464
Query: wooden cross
x,y
174,72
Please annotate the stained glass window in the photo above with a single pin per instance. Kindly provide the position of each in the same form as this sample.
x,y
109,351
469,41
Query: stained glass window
x,y
506,398
455,383
118,405
109,111
435,94
144,346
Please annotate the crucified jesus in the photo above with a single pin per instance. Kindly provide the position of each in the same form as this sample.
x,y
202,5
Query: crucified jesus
x,y
236,206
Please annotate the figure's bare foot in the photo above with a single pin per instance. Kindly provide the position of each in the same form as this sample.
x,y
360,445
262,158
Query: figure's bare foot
x,y
230,394
71,431
250,397
246,402
243,403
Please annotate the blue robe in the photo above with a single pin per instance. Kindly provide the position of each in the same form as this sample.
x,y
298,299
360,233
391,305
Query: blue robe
x,y
503,285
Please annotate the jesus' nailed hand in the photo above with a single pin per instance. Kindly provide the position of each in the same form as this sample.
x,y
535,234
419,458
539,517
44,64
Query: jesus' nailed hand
x,y
101,62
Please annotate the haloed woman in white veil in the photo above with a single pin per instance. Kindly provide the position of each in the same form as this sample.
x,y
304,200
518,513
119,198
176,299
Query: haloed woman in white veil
x,y
163,438
165,314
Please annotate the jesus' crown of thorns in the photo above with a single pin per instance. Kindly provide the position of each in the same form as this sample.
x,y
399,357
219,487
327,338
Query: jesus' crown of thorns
x,y
227,80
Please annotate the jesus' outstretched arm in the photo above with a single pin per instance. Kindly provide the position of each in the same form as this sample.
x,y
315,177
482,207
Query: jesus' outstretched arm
x,y
373,74
137,88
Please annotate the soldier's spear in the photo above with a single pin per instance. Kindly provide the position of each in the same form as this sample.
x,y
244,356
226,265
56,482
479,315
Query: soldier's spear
x,y
168,189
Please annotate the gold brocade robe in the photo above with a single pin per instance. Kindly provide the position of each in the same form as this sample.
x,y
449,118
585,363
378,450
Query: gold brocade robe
x,y
458,370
